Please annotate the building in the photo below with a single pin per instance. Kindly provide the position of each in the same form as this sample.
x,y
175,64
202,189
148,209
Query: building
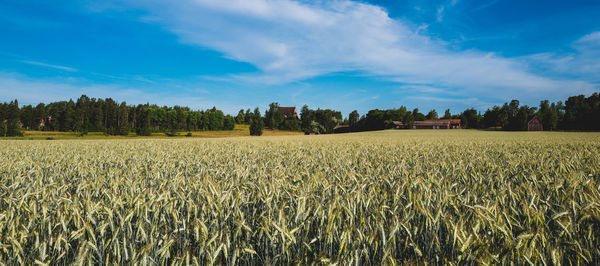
x,y
289,112
437,124
535,125
341,129
398,124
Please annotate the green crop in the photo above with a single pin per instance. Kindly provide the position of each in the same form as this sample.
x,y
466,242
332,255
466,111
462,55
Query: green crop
x,y
390,197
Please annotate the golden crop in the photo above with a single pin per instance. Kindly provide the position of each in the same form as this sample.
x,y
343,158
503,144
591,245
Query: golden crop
x,y
386,197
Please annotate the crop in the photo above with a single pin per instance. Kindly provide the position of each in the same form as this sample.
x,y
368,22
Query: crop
x,y
390,197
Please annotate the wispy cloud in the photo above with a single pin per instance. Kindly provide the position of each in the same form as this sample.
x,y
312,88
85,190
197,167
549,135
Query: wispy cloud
x,y
582,63
290,41
440,13
485,5
35,63
36,90
193,94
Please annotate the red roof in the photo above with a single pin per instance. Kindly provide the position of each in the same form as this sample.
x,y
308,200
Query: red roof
x,y
288,111
451,121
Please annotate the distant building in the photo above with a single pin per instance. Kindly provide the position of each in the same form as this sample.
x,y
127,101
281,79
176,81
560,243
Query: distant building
x,y
437,124
341,129
398,124
289,112
535,125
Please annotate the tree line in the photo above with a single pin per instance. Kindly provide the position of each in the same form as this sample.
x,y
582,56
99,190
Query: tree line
x,y
108,116
577,113
322,121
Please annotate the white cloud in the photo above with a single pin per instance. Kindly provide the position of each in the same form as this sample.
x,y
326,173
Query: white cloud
x,y
35,63
592,37
295,40
440,13
582,63
36,90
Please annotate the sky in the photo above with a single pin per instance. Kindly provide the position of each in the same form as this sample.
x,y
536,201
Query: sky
x,y
340,54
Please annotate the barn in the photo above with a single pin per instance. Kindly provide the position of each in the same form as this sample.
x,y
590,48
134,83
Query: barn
x,y
535,125
437,124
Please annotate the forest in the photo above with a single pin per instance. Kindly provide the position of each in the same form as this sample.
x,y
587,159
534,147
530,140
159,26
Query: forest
x,y
577,113
106,115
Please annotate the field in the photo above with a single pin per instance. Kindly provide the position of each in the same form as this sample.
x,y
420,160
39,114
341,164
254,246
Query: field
x,y
387,197
238,131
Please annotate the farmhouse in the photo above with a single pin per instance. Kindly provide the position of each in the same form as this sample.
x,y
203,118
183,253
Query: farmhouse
x,y
437,124
535,125
289,112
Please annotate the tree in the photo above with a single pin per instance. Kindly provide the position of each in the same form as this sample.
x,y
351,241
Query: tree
x,y
471,119
417,115
552,117
306,116
256,123
328,119
229,123
491,117
12,116
548,114
39,113
247,116
353,118
240,118
171,128
215,119
122,120
432,115
143,123
317,128
290,123
273,116
27,117
3,107
447,114
67,116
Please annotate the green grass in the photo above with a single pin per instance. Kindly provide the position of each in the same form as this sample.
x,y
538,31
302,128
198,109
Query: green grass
x,y
388,197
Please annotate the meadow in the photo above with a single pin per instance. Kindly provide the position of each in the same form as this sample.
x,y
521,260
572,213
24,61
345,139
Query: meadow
x,y
386,197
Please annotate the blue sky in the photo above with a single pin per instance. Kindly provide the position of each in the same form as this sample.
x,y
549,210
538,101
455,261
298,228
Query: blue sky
x,y
336,54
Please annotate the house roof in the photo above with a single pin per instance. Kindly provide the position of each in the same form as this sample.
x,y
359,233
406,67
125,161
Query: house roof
x,y
451,121
535,119
288,110
431,123
341,126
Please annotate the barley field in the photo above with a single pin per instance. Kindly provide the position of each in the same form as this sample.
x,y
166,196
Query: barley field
x,y
388,197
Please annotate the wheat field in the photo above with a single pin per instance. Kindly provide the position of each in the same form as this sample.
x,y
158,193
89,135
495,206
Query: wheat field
x,y
388,197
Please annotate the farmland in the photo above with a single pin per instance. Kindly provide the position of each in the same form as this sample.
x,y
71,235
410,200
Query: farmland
x,y
238,131
381,197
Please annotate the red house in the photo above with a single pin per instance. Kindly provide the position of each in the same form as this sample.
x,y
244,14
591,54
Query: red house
x,y
437,124
535,124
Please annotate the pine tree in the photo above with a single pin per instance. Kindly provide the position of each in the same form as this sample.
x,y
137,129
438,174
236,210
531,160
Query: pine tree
x,y
12,124
256,123
3,107
240,117
143,123
122,120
